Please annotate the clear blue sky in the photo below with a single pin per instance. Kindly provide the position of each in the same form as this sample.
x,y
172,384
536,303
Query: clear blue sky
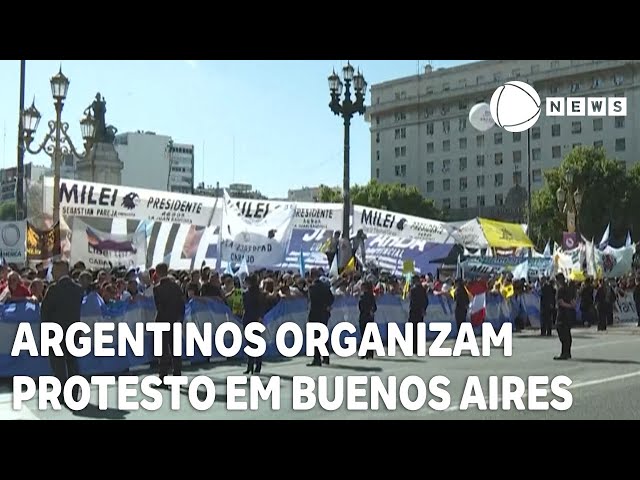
x,y
277,112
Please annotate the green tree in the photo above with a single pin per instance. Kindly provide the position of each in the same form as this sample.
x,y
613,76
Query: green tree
x,y
394,197
7,211
603,182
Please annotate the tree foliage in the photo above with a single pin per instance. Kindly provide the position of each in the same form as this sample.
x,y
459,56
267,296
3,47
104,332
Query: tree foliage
x,y
610,195
394,197
7,211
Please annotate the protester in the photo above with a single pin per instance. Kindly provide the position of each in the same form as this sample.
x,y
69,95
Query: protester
x,y
566,307
320,301
367,307
253,307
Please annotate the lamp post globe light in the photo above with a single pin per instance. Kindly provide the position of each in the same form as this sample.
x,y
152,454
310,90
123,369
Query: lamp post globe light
x,y
56,142
345,107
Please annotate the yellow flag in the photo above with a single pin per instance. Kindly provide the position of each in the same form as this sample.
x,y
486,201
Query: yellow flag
x,y
325,246
507,291
504,235
405,289
452,292
351,265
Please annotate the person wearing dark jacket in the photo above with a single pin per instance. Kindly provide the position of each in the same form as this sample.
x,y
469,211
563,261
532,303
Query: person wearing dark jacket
x,y
586,303
547,307
418,303
636,298
367,306
62,304
566,306
601,305
254,303
170,304
320,302
461,299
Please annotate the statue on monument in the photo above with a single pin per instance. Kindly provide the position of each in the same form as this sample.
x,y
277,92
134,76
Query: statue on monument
x,y
103,133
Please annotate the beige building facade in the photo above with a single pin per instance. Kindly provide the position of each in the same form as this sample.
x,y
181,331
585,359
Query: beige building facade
x,y
420,132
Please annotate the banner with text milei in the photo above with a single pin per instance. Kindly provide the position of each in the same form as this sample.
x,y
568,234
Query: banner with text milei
x,y
88,199
373,221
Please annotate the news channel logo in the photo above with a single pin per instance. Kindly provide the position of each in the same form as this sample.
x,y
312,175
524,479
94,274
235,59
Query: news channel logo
x,y
516,106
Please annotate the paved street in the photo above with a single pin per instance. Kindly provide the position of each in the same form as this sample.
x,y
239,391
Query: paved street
x,y
605,371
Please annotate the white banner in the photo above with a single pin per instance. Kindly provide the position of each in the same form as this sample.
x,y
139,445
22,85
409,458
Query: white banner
x,y
13,243
87,199
470,234
625,309
383,222
615,262
261,243
101,250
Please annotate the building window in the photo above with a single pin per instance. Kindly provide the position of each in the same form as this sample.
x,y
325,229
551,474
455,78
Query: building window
x,y
462,83
377,155
462,105
576,127
498,180
446,184
445,109
401,133
401,151
430,186
401,170
446,203
480,160
555,130
555,63
535,133
553,89
462,124
575,87
446,87
516,137
618,79
597,124
497,138
377,173
497,77
480,181
536,175
619,122
463,143
517,178
515,73
535,68
620,145
480,141
576,145
498,158
446,145
463,202
403,185
555,151
479,79
463,184
400,116
463,163
536,154
480,200
430,147
598,144
596,82
446,165
378,137
499,200
430,167
446,126
517,156
377,119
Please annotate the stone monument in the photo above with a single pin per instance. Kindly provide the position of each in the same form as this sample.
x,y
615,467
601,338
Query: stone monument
x,y
102,165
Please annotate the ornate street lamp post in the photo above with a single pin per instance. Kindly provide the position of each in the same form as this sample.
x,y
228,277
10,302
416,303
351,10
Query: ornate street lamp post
x,y
347,109
56,142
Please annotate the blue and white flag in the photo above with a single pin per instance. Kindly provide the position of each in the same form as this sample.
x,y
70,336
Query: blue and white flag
x,y
302,266
547,249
